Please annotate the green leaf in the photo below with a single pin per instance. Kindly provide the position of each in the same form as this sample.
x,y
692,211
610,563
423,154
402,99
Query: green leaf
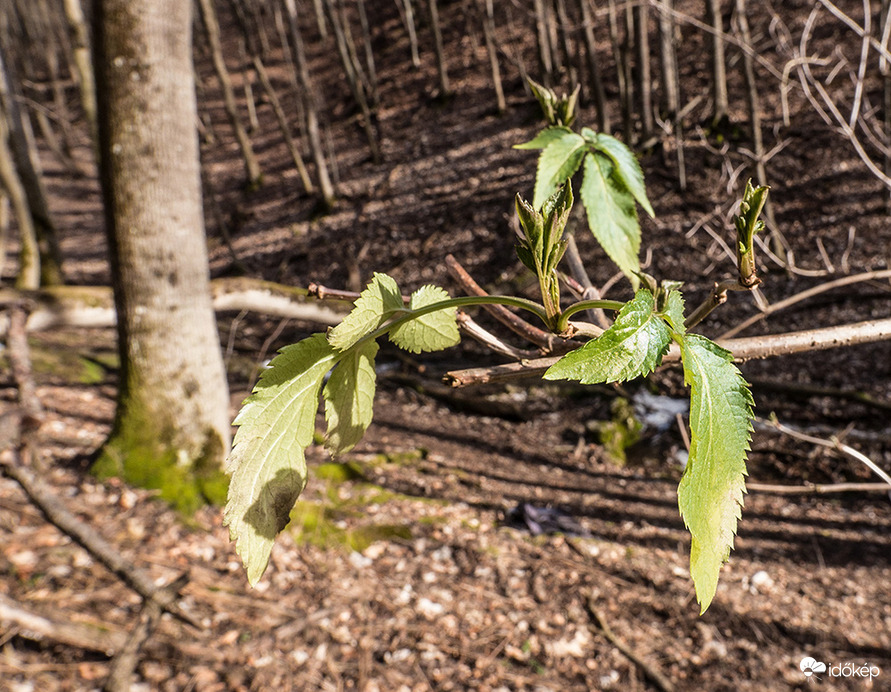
x,y
349,398
544,138
433,331
267,464
627,169
380,299
674,311
557,163
612,216
631,347
710,495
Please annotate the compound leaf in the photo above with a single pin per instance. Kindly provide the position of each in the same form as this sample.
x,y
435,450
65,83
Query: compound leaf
x,y
349,398
558,161
710,495
433,331
267,464
631,347
627,169
380,299
612,216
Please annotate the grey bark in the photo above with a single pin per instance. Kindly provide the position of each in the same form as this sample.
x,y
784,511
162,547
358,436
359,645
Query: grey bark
x,y
173,401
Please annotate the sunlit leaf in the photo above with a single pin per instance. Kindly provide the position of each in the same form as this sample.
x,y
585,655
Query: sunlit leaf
x,y
267,464
557,163
349,398
627,169
612,216
710,495
631,347
433,331
380,299
544,138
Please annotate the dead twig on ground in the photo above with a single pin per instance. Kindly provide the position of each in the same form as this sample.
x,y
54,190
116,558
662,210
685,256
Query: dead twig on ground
x,y
601,626
31,625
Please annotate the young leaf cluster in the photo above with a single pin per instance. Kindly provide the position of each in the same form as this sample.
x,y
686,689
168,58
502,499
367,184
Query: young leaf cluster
x,y
612,181
710,495
276,424
267,464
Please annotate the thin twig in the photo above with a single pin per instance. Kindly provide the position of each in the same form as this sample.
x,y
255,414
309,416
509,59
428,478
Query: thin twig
x,y
125,661
803,295
832,443
41,495
649,671
742,349
489,340
818,489
545,340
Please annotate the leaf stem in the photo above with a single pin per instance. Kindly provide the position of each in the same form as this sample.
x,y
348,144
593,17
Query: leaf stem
x,y
406,314
563,321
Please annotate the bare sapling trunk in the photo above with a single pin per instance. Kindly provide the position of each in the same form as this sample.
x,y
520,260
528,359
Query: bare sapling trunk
x,y
644,77
408,19
544,42
83,63
492,51
567,28
28,277
171,429
441,67
671,86
212,28
306,96
26,166
603,120
778,242
719,70
369,53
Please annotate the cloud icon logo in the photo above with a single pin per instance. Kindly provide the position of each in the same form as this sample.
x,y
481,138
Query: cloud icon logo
x,y
810,665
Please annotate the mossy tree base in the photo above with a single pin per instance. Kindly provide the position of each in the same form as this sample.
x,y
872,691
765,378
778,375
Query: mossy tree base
x,y
144,452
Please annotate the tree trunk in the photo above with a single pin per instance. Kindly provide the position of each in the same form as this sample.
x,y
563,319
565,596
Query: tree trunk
x,y
171,429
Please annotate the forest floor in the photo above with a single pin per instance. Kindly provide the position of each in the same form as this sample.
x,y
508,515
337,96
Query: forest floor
x,y
402,569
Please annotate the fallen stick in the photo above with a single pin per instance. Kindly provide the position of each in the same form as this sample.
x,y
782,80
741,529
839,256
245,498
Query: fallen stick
x,y
93,306
40,627
40,494
656,677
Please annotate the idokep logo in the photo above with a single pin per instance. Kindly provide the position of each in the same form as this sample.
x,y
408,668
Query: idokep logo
x,y
811,667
